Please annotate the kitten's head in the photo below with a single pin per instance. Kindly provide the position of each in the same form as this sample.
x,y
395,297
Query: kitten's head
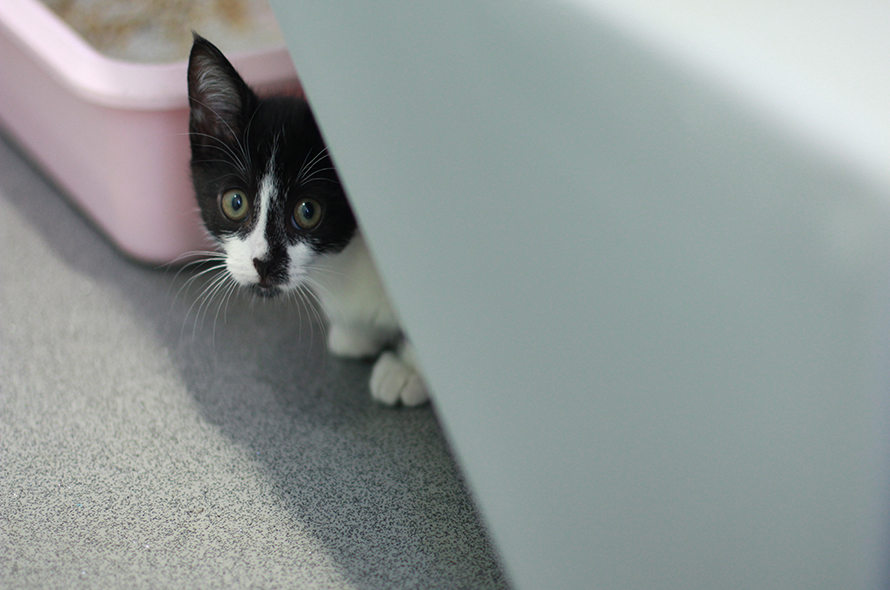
x,y
265,184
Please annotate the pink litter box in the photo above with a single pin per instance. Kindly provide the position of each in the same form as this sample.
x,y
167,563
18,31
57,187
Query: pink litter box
x,y
112,133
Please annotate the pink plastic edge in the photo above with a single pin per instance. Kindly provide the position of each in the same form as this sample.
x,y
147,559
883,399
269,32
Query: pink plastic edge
x,y
145,99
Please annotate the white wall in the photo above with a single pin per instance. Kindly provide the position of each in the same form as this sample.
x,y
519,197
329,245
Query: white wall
x,y
648,292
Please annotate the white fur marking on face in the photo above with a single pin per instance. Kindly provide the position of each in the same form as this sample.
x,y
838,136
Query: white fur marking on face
x,y
299,257
238,260
241,252
259,246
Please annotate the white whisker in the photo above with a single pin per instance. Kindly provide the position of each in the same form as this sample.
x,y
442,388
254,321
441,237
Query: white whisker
x,y
225,290
217,266
306,172
311,302
203,296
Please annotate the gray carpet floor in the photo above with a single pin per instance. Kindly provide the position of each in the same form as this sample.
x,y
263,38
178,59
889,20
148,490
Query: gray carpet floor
x,y
149,442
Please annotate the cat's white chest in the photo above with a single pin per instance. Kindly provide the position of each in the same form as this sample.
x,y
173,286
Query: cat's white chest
x,y
353,297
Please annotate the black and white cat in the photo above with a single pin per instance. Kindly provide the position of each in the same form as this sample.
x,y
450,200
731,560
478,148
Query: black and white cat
x,y
271,198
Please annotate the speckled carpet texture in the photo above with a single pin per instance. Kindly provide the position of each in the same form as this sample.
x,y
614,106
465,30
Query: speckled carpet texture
x,y
149,442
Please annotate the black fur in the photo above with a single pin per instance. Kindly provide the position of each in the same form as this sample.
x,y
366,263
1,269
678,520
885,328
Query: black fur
x,y
233,132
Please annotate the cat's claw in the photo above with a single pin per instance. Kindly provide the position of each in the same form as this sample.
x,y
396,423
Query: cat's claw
x,y
394,381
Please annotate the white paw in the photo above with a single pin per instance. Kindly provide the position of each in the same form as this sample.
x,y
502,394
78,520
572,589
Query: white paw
x,y
394,381
353,343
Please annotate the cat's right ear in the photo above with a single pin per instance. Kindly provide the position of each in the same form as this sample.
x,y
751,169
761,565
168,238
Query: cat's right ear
x,y
218,96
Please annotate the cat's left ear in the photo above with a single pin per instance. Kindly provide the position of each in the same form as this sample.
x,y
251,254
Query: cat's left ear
x,y
218,96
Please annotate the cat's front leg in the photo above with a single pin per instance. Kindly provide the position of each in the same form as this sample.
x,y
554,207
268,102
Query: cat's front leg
x,y
396,379
356,342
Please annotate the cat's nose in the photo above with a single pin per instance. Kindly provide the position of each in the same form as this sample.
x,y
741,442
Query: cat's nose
x,y
262,267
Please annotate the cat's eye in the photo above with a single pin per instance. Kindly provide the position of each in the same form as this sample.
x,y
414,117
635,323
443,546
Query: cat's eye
x,y
307,214
234,204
